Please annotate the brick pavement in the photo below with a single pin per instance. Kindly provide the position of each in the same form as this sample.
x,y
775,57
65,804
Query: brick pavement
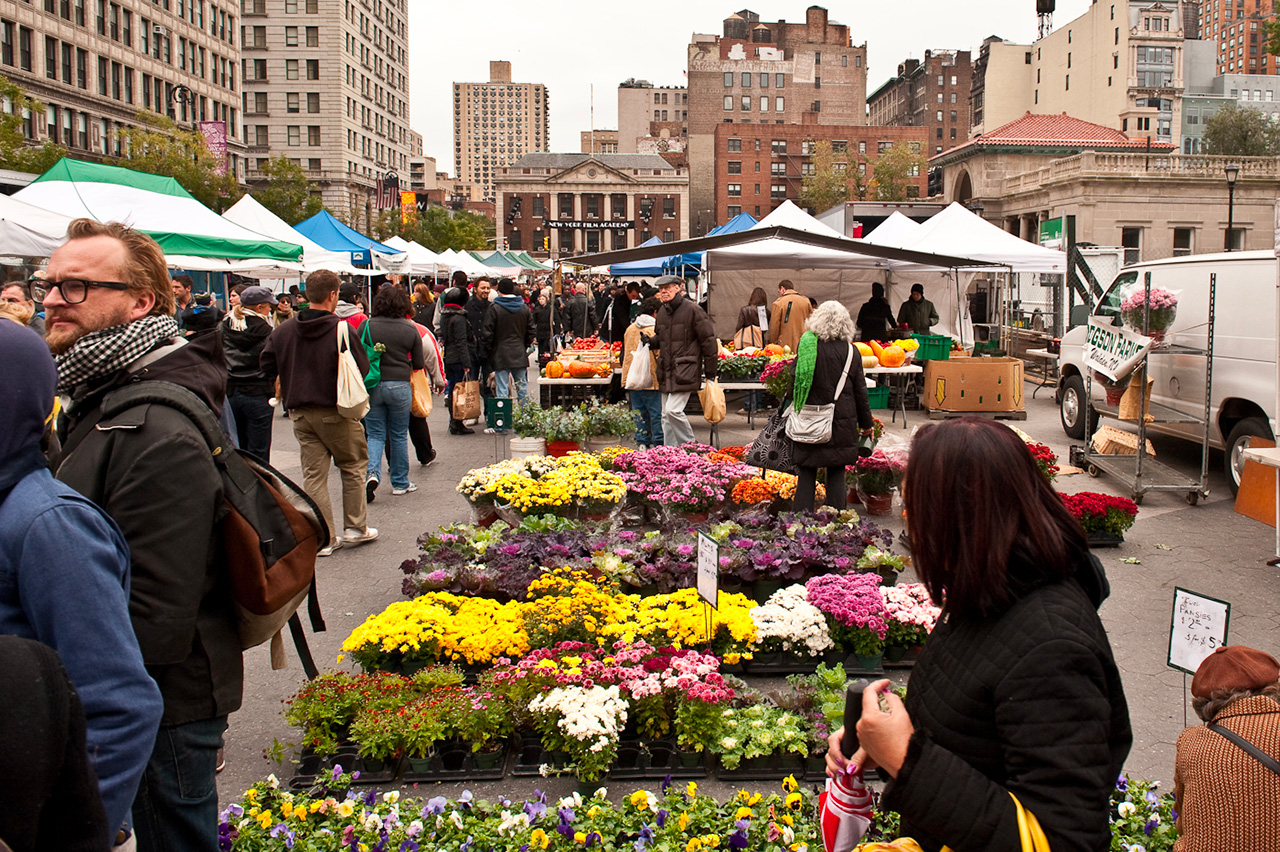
x,y
1212,550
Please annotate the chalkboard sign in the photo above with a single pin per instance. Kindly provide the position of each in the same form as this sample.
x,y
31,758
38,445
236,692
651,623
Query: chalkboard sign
x,y
1198,628
708,569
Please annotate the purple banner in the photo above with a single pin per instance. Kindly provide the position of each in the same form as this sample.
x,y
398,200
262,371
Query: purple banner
x,y
215,137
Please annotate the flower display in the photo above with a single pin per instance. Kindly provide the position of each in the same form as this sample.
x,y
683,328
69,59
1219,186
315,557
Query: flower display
x,y
576,480
679,479
785,485
479,485
788,622
750,491
911,614
757,731
1046,460
439,626
1162,304
1101,513
740,366
1142,817
878,473
779,376
583,721
854,609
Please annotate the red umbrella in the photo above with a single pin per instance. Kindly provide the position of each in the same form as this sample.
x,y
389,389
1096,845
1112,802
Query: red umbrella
x,y
844,808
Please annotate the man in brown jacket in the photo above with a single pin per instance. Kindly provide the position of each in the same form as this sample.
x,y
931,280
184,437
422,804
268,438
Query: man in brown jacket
x,y
687,350
786,320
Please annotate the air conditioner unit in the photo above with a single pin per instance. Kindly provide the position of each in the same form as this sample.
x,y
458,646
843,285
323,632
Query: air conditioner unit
x,y
159,30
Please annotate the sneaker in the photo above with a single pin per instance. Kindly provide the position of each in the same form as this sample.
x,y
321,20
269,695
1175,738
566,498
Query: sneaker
x,y
370,486
431,459
328,551
489,431
409,489
354,536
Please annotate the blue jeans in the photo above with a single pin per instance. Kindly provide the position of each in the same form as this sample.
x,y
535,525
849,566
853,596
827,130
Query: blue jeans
x,y
387,424
504,379
252,413
176,809
648,413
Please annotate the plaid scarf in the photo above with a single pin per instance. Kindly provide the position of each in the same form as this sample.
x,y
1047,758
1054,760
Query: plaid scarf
x,y
101,353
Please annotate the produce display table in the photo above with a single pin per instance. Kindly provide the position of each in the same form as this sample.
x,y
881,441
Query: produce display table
x,y
1048,369
747,386
897,380
569,390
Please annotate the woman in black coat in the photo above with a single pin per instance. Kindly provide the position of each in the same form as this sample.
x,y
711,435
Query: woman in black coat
x,y
458,340
1017,693
542,324
832,326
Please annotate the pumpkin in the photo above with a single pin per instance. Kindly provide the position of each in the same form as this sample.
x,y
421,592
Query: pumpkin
x,y
870,362
581,370
773,349
863,349
553,370
604,370
892,356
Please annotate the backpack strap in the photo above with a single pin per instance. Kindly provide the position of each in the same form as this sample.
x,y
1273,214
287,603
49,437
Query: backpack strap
x,y
1248,747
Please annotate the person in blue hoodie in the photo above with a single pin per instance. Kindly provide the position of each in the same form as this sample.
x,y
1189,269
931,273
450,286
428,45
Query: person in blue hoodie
x,y
64,582
507,333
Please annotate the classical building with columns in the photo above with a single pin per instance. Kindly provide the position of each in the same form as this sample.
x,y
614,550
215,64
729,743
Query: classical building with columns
x,y
566,204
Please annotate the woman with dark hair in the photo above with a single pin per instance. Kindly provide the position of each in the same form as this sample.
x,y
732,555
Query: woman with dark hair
x,y
1017,694
749,319
391,399
542,323
424,305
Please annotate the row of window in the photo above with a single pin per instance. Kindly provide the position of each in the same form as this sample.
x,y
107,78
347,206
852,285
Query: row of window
x,y
255,70
748,102
678,115
255,103
779,80
808,146
680,97
259,135
116,23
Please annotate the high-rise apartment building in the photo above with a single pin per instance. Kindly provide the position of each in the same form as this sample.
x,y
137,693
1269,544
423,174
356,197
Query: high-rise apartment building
x,y
496,123
768,73
644,110
326,83
933,94
1237,27
96,63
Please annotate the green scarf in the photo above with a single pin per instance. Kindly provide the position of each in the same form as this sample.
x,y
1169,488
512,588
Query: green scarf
x,y
806,358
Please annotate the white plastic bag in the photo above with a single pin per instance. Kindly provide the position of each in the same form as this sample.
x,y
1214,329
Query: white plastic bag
x,y
640,374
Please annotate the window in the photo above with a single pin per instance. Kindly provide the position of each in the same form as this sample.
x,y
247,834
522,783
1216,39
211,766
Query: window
x,y
728,103
746,103
779,146
618,205
1131,240
778,169
290,68
313,36
735,145
566,206
734,210
668,208
817,82
940,83
728,79
24,51
844,61
102,75
290,36
1181,242
67,54
539,207
292,102
953,115
764,104
939,132
764,79
778,191
656,113
746,79
735,189
779,80
51,57
940,97
953,97
777,104
735,167
313,69
313,135
291,7
939,115
255,103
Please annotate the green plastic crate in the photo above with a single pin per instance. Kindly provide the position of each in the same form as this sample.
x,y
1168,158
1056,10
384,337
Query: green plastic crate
x,y
933,347
878,396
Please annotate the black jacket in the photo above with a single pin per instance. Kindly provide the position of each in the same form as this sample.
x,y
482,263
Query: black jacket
x,y
150,469
456,337
874,319
686,344
243,349
579,316
542,321
620,317
507,333
477,310
1027,702
853,411
303,352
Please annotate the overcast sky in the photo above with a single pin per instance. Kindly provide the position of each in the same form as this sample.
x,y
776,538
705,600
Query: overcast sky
x,y
571,45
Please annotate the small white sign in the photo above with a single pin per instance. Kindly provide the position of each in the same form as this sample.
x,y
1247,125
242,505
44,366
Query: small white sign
x,y
1114,351
763,313
708,569
1198,628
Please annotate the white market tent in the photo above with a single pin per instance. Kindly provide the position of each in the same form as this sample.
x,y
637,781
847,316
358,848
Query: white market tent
x,y
249,213
422,260
468,264
30,231
158,206
897,230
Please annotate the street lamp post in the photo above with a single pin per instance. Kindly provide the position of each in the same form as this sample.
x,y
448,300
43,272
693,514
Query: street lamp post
x,y
180,94
1233,172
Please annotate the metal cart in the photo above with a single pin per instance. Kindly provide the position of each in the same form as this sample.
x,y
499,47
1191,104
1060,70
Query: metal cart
x,y
1142,473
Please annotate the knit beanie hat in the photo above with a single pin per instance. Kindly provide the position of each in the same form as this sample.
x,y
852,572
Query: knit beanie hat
x,y
1234,667
506,286
455,296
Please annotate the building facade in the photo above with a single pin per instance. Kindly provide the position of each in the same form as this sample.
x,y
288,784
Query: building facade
x,y
644,107
326,83
768,73
933,94
1237,31
599,141
96,63
566,204
759,167
496,123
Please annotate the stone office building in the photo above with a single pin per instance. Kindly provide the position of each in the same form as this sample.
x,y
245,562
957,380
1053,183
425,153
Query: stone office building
x,y
566,204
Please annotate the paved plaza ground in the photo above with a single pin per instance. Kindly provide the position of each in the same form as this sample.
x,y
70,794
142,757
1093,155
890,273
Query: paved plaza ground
x,y
1207,548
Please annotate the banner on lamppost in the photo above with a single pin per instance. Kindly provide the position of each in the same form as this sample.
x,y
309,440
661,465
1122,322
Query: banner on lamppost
x,y
388,187
408,204
215,139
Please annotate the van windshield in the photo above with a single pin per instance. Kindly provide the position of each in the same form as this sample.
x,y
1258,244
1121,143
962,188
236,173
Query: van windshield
x,y
1109,304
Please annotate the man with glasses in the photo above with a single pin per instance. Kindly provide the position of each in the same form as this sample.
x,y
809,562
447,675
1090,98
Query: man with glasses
x,y
18,294
109,318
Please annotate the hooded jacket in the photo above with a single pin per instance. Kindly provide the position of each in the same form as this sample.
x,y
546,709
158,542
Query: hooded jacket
x,y
303,352
243,343
686,344
351,313
150,469
508,332
1026,701
919,316
456,337
64,582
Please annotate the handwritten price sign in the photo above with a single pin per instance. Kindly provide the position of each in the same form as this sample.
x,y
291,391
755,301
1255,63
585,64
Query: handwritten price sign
x,y
708,570
1198,628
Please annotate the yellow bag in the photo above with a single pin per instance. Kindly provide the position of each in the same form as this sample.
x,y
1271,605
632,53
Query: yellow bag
x,y
421,385
712,399
1032,835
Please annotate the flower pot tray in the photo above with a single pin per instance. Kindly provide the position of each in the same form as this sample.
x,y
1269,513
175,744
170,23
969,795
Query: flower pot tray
x,y
456,767
529,757
653,759
313,768
785,664
1103,539
775,767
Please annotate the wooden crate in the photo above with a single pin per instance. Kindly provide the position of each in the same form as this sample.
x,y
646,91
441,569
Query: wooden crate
x,y
1109,441
588,356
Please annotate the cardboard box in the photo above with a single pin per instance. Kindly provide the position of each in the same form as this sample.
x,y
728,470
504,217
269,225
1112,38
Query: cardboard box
x,y
974,384
1109,441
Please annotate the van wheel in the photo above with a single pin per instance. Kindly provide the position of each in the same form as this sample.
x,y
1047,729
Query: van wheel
x,y
1071,409
1239,440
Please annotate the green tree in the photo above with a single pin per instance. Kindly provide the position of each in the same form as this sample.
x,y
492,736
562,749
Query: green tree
x,y
828,183
160,147
287,192
16,151
1237,131
896,170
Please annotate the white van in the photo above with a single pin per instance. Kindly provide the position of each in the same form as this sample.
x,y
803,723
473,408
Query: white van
x,y
1244,345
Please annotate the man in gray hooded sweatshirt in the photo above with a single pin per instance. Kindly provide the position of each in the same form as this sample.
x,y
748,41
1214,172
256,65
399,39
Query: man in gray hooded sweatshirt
x,y
507,334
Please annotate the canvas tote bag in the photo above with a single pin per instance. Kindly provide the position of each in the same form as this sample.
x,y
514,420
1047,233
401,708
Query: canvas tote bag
x,y
467,404
353,396
812,423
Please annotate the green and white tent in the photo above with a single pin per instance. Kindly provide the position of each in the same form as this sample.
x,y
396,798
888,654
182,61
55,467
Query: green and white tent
x,y
155,205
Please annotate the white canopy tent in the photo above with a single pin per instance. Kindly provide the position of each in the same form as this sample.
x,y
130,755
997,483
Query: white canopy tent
x,y
465,262
30,231
422,260
897,230
249,213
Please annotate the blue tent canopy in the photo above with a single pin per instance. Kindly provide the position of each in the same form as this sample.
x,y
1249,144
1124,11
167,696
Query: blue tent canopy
x,y
653,266
692,262
324,229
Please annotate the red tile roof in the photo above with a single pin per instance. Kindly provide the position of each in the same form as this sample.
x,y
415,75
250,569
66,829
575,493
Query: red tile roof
x,y
1059,131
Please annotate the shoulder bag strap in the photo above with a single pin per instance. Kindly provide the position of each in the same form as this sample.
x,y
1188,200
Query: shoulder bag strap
x,y
342,337
1248,747
844,377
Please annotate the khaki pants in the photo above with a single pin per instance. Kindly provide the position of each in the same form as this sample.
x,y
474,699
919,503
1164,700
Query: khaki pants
x,y
324,434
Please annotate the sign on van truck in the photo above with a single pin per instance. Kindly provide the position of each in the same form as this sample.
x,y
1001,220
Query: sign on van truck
x,y
1113,350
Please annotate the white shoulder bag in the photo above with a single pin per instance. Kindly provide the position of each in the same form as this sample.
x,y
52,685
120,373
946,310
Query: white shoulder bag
x,y
353,396
812,423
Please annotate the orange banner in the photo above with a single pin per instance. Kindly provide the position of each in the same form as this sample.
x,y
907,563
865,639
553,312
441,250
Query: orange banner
x,y
408,205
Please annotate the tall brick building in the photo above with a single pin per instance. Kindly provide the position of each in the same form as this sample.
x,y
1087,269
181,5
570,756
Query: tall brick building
x,y
775,73
933,94
758,167
1238,29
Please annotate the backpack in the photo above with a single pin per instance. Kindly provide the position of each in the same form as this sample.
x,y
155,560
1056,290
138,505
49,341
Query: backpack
x,y
374,376
269,529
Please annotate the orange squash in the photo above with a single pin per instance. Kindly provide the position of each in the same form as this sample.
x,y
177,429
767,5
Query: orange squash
x,y
876,349
773,349
863,349
553,370
892,356
581,370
